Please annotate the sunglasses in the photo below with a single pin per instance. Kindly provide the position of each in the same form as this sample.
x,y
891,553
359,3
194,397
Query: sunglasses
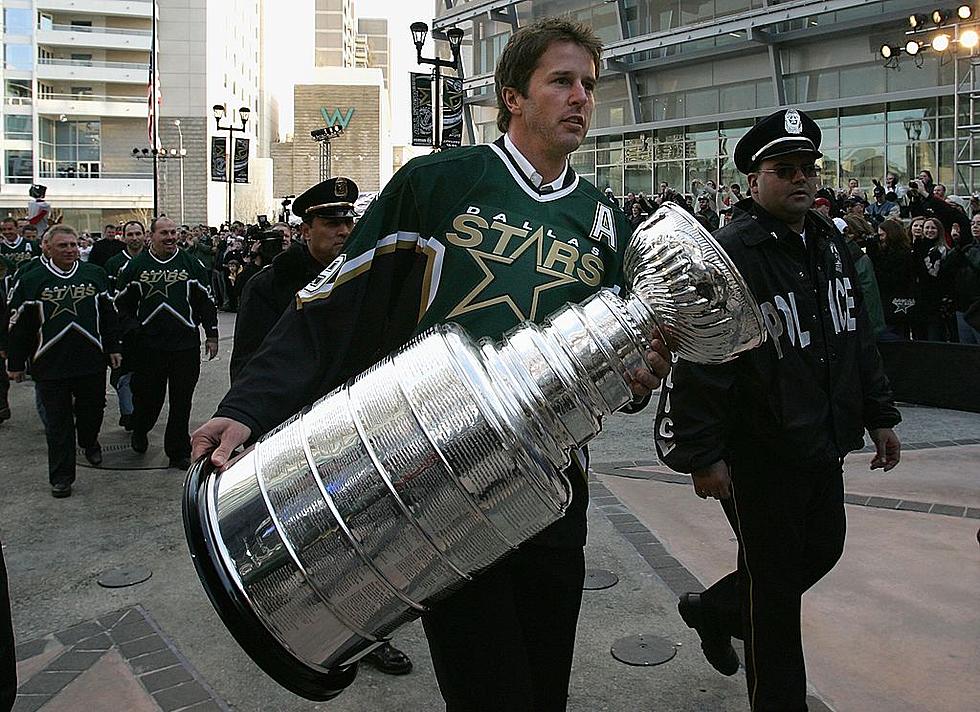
x,y
784,172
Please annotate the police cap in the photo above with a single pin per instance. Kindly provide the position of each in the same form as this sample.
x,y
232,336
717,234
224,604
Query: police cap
x,y
786,131
332,198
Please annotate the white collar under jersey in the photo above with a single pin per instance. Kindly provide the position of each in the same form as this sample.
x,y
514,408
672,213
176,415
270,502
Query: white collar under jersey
x,y
529,170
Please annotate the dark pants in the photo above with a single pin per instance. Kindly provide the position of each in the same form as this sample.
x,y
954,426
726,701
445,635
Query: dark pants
x,y
505,641
4,383
70,405
790,527
155,373
8,662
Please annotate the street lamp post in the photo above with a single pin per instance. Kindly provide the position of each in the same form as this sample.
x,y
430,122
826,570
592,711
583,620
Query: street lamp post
x,y
181,152
219,113
162,155
455,37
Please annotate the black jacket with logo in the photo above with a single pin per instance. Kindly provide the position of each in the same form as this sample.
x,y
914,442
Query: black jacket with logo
x,y
265,297
805,396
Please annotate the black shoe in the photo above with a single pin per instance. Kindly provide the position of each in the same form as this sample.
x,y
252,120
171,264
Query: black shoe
x,y
179,463
60,490
93,454
139,442
126,422
716,646
4,410
388,659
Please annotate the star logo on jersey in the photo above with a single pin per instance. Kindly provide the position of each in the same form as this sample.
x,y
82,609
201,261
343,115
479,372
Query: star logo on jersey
x,y
160,282
492,291
65,299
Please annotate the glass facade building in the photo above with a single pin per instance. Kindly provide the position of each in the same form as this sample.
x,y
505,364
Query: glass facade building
x,y
682,80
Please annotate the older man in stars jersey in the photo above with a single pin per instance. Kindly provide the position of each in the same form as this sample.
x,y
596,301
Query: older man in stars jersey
x,y
62,321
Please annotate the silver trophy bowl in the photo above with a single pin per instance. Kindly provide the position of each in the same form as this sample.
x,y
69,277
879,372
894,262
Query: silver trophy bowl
x,y
383,497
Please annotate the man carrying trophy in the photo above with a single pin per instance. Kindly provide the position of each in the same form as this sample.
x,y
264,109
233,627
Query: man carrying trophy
x,y
487,237
766,434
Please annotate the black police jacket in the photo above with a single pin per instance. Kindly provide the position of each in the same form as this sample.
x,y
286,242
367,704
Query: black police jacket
x,y
265,297
805,396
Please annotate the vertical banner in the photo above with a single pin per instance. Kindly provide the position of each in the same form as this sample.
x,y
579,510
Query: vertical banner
x,y
241,160
219,166
452,112
421,89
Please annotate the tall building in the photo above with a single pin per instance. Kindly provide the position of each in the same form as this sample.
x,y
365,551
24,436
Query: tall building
x,y
372,36
681,81
335,33
75,107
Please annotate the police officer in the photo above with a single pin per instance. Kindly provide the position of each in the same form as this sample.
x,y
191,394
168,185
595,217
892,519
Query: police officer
x,y
327,211
62,321
766,434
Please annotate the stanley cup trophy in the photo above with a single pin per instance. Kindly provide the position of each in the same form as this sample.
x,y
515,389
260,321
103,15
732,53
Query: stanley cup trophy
x,y
354,516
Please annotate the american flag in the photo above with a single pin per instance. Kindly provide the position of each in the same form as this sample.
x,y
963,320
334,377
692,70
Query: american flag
x,y
153,99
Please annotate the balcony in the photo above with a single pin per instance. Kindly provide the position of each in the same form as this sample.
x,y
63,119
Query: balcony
x,y
97,37
119,8
92,70
92,105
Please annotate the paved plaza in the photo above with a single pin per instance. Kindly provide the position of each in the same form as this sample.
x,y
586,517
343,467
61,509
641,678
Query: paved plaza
x,y
895,626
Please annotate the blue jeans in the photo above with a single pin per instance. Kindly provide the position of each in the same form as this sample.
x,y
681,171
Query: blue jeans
x,y
125,394
968,335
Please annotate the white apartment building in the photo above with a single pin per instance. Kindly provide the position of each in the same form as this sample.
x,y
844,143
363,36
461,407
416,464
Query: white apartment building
x,y
75,77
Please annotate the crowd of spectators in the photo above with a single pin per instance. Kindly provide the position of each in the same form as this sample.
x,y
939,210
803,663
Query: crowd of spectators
x,y
917,248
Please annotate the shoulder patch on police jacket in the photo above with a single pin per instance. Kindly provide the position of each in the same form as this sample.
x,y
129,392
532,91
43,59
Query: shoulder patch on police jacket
x,y
322,284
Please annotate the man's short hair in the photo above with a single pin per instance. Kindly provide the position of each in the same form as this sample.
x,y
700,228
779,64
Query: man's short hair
x,y
521,55
60,228
154,221
9,219
132,222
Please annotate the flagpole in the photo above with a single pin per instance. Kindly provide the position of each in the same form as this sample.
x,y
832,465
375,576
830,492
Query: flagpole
x,y
153,104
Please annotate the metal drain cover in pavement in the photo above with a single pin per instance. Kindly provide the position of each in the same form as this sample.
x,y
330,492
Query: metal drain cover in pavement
x,y
126,575
598,579
643,650
120,456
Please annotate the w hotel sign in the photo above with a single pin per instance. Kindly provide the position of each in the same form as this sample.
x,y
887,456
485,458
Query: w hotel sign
x,y
336,117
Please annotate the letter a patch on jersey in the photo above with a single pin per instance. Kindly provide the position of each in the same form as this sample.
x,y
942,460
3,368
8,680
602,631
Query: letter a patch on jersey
x,y
322,284
604,226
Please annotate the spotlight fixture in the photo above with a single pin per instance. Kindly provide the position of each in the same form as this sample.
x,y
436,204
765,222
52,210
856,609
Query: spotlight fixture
x,y
940,43
964,12
912,47
939,16
917,20
969,39
888,51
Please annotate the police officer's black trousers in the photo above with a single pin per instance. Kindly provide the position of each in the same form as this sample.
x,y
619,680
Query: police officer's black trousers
x,y
790,527
505,640
154,374
71,405
8,661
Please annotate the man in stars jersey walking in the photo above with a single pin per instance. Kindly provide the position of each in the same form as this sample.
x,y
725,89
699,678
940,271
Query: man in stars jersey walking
x,y
487,237
163,298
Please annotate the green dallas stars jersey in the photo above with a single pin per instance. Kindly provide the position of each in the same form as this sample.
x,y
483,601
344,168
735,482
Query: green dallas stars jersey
x,y
63,322
165,300
114,265
460,236
13,255
457,236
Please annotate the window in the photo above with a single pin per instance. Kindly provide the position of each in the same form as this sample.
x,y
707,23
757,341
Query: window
x,y
18,56
17,127
19,166
70,149
18,21
17,92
